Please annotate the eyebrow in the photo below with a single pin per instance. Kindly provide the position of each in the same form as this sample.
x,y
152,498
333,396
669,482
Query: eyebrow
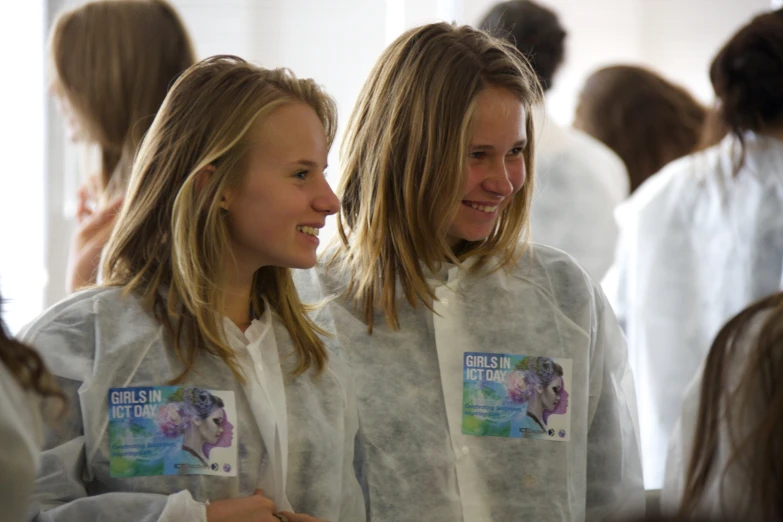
x,y
309,164
520,143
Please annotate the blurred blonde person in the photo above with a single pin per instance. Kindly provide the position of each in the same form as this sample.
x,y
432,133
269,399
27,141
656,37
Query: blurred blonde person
x,y
112,62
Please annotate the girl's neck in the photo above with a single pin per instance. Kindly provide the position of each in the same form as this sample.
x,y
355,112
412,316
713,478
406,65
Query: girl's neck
x,y
236,301
535,408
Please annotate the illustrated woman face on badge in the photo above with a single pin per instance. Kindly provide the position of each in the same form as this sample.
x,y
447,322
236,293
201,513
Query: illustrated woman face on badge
x,y
539,382
200,417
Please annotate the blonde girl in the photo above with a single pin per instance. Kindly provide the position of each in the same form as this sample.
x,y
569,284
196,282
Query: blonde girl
x,y
197,328
112,62
438,301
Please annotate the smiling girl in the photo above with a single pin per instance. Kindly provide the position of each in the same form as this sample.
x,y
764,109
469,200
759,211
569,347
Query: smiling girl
x,y
437,296
227,194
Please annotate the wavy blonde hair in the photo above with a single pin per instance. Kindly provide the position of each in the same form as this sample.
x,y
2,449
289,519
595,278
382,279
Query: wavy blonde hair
x,y
405,158
113,61
171,232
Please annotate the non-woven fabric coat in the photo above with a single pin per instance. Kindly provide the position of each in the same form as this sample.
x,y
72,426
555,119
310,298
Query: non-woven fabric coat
x,y
295,435
416,458
579,183
698,243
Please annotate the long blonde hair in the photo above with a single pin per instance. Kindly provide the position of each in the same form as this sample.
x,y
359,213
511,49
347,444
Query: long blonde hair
x,y
113,61
172,234
404,159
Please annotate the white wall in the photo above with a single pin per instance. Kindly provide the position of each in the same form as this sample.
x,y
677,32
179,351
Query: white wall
x,y
678,38
22,273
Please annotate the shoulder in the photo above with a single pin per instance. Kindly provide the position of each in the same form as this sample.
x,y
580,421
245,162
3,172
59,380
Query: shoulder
x,y
558,278
581,160
677,183
66,335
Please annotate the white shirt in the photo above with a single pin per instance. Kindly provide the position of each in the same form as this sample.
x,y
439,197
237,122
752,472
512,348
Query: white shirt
x,y
579,182
21,434
416,459
697,245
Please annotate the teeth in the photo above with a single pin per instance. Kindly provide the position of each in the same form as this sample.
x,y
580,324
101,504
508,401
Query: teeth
x,y
308,230
483,208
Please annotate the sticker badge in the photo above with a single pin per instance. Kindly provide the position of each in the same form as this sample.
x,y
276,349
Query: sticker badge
x,y
171,430
516,396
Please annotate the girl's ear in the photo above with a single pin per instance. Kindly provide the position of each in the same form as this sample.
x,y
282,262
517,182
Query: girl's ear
x,y
202,179
203,175
539,389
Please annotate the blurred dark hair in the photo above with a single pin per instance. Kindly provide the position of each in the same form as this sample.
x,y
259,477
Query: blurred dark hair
x,y
647,120
26,366
534,30
747,76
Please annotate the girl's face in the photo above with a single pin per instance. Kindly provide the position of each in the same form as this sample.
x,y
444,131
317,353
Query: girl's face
x,y
550,395
284,199
496,167
211,428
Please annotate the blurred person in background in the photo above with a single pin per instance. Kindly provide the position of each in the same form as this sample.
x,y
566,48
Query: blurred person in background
x,y
644,118
703,238
112,64
580,180
725,456
25,388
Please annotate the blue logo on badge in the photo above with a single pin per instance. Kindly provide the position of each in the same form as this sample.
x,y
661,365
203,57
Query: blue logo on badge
x,y
227,467
562,434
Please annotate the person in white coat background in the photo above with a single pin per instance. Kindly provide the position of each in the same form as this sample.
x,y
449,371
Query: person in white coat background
x,y
492,376
199,388
703,238
579,180
26,387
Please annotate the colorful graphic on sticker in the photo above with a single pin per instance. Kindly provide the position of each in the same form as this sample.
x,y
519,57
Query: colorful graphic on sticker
x,y
516,396
171,430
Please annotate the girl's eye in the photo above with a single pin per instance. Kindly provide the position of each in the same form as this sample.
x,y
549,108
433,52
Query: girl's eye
x,y
218,421
301,174
479,154
516,151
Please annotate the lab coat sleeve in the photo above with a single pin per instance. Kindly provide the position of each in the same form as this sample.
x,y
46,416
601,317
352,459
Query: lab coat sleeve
x,y
614,469
66,341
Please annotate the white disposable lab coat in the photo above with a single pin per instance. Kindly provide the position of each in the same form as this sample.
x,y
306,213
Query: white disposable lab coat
x,y
295,435
21,434
579,183
418,463
727,495
697,245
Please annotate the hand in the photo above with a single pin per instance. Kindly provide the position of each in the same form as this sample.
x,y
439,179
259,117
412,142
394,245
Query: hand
x,y
94,230
255,508
299,517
